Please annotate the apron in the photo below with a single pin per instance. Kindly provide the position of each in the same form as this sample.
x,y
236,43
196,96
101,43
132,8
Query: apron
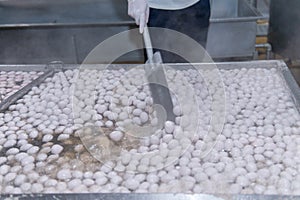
x,y
192,21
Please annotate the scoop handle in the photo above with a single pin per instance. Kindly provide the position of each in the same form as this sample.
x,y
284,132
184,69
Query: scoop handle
x,y
148,44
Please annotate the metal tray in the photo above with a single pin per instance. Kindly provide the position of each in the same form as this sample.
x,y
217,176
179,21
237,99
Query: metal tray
x,y
18,94
166,196
281,67
50,69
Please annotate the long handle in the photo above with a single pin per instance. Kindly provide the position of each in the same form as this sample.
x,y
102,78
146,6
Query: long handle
x,y
148,44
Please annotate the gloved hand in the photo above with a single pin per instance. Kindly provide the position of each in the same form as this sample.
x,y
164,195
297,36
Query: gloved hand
x,y
139,10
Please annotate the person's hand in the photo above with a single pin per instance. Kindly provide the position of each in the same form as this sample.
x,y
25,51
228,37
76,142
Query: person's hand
x,y
139,11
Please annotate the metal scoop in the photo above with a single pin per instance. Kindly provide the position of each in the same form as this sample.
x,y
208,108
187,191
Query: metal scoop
x,y
157,79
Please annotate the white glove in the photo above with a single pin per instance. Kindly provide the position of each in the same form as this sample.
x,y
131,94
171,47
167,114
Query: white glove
x,y
139,10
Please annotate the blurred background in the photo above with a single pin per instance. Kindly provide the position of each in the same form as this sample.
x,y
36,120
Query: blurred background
x,y
40,31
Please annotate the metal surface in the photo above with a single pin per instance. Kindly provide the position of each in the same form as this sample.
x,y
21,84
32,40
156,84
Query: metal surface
x,y
16,13
268,48
48,69
232,11
296,73
253,3
232,30
157,79
262,29
285,27
292,84
148,44
110,196
19,94
40,31
264,7
70,45
281,69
